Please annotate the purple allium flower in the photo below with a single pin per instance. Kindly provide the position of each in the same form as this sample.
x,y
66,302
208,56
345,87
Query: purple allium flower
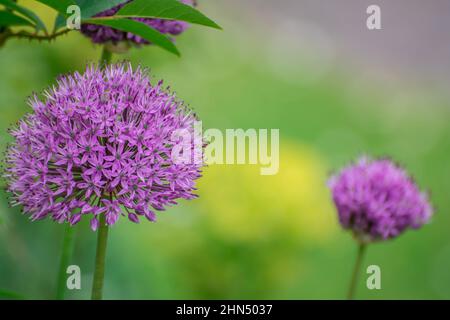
x,y
377,200
102,34
100,143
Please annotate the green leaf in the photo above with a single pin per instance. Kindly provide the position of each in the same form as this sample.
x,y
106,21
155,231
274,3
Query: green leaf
x,y
60,22
139,29
10,295
59,5
166,9
26,12
89,9
8,18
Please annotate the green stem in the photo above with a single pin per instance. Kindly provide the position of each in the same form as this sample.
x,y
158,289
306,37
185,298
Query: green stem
x,y
102,236
30,36
357,267
99,272
106,56
66,255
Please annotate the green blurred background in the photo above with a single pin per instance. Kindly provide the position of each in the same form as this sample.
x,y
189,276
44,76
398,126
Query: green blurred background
x,y
334,89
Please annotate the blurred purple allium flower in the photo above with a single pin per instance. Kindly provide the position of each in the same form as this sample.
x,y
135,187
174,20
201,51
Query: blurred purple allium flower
x,y
377,200
103,34
100,143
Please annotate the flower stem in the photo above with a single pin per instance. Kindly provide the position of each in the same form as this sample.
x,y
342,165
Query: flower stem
x,y
357,267
102,236
4,36
99,272
68,241
106,56
66,255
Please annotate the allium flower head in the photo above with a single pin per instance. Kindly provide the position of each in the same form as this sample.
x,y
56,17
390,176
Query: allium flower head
x,y
100,143
103,34
377,200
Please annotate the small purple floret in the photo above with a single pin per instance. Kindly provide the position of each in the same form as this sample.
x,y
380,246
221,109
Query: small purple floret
x,y
99,143
377,200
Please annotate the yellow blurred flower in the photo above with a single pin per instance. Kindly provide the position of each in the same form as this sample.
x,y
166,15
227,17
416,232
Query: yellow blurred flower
x,y
243,205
